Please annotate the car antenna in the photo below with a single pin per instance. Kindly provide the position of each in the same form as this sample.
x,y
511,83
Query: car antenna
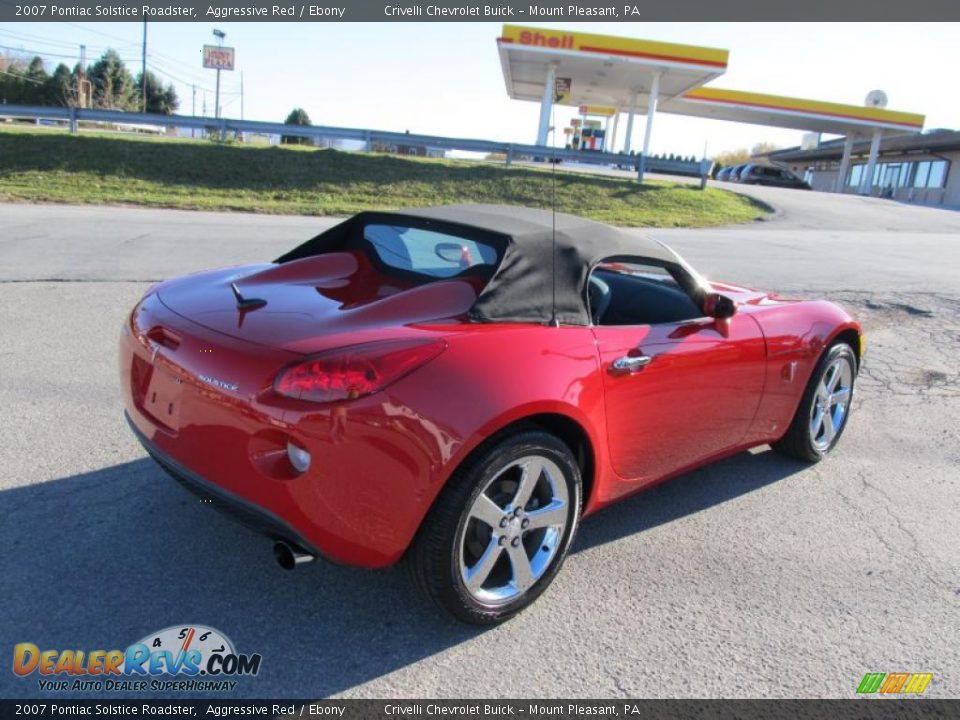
x,y
244,303
554,322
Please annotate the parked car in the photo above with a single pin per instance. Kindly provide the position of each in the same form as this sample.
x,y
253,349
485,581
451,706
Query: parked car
x,y
723,175
457,386
774,176
735,173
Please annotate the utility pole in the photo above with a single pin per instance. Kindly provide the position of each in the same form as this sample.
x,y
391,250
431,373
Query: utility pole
x,y
193,111
241,102
82,78
219,35
143,70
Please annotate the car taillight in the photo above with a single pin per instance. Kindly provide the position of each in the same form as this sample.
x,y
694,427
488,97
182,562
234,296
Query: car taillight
x,y
352,372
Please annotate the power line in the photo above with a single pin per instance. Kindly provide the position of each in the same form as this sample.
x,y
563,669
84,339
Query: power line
x,y
187,69
34,51
159,68
161,71
99,32
45,53
176,73
43,41
127,44
22,77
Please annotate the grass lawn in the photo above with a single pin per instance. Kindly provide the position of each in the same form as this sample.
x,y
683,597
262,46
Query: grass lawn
x,y
53,166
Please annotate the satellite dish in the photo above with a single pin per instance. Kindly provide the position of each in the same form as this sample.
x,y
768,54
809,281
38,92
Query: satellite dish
x,y
876,98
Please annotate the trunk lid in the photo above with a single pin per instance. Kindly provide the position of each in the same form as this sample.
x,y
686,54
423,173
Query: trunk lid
x,y
307,302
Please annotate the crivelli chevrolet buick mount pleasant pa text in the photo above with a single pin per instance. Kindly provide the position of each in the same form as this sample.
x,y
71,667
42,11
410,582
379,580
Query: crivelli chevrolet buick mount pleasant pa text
x,y
457,386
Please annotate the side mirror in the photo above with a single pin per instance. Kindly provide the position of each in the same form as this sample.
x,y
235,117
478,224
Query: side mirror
x,y
718,306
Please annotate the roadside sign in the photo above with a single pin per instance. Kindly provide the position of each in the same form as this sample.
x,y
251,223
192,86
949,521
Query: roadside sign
x,y
216,57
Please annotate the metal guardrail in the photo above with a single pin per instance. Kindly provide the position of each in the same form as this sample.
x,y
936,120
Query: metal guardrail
x,y
511,151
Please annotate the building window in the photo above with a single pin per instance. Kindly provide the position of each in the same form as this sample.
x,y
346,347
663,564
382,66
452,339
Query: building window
x,y
856,174
922,174
938,173
904,175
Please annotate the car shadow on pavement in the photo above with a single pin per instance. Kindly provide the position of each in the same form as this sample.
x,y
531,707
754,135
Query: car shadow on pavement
x,y
100,560
687,494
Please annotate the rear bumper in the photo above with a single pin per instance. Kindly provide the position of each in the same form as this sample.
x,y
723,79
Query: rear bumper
x,y
377,463
234,506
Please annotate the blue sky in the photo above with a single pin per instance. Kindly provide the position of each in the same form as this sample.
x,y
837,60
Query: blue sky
x,y
445,78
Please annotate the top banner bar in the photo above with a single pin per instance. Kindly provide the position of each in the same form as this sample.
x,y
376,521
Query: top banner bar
x,y
445,11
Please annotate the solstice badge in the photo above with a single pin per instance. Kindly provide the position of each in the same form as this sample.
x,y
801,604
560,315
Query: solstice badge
x,y
199,657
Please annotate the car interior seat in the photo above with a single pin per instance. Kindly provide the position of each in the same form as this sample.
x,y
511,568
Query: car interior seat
x,y
599,295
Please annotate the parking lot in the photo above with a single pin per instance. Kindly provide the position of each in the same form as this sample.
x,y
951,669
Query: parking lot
x,y
756,576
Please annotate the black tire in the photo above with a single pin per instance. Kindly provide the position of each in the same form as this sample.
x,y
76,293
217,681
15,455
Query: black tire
x,y
435,558
799,442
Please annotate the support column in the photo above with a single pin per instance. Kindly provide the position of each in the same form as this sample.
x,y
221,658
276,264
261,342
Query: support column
x,y
633,111
612,144
866,182
841,183
546,105
651,112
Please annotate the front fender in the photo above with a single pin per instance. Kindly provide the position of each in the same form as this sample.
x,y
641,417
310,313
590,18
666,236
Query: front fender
x,y
796,334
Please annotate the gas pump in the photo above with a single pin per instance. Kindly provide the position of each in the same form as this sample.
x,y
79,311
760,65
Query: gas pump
x,y
587,132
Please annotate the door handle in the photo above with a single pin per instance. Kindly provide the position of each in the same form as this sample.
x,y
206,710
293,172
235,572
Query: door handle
x,y
629,364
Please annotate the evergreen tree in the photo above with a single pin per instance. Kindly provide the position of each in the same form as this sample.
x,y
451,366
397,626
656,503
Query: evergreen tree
x,y
113,85
298,116
61,87
160,98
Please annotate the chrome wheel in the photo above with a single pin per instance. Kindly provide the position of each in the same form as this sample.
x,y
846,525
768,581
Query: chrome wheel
x,y
513,530
828,411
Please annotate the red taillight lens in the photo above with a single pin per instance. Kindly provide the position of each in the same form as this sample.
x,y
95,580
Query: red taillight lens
x,y
348,373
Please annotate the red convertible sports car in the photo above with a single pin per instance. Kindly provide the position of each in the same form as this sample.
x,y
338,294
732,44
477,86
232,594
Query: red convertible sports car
x,y
457,386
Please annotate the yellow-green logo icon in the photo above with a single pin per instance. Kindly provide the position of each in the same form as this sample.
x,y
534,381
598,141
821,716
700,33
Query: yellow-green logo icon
x,y
894,683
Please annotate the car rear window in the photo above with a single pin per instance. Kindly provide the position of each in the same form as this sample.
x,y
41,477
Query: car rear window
x,y
427,252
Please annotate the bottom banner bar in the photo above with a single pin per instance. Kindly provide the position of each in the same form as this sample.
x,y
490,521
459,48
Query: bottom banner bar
x,y
533,708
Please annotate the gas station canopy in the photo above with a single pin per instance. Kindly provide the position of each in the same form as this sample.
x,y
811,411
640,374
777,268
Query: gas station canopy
x,y
786,112
584,69
602,70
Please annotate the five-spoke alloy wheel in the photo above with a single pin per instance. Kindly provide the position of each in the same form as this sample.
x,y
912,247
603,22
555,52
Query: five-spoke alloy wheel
x,y
828,412
824,408
500,529
513,530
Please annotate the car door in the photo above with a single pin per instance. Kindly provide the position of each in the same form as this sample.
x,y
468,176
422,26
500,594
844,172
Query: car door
x,y
678,387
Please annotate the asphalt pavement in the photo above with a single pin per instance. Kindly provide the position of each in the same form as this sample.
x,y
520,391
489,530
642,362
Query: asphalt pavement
x,y
753,577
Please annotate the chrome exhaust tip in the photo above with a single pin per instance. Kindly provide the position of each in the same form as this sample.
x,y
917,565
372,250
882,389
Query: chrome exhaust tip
x,y
288,556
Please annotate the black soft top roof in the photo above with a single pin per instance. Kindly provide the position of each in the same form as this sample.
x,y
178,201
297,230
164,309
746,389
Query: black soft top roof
x,y
521,289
